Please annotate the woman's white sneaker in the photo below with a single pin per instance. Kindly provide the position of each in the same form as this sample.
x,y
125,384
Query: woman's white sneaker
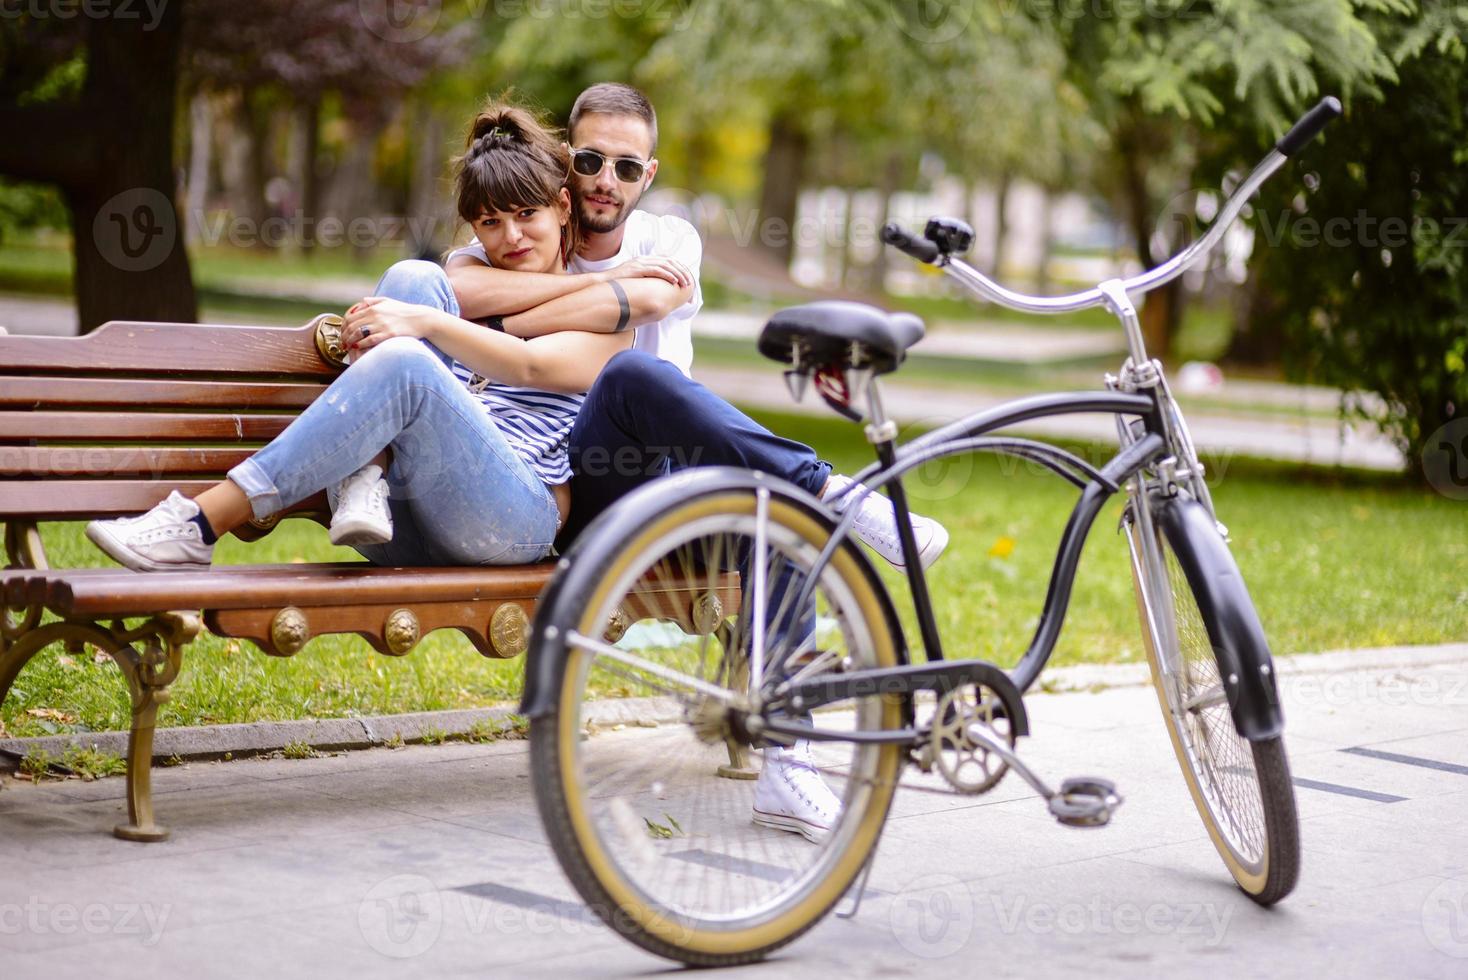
x,y
165,537
876,524
359,511
791,795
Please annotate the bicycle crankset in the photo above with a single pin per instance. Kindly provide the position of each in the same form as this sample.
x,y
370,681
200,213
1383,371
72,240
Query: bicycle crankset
x,y
954,746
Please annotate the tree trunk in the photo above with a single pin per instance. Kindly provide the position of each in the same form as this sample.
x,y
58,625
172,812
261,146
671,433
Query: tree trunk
x,y
1001,221
892,175
301,167
843,270
1257,340
1047,243
254,149
201,156
1161,312
111,154
424,206
784,168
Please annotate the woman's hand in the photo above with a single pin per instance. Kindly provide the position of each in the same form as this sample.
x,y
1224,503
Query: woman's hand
x,y
378,318
652,267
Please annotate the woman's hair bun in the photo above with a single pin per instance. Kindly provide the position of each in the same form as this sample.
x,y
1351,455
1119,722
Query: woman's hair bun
x,y
494,129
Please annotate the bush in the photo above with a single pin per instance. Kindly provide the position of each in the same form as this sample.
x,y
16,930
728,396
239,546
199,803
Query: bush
x,y
27,206
1367,270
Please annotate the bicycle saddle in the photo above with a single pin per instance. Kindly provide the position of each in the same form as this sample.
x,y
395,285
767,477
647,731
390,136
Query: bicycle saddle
x,y
825,331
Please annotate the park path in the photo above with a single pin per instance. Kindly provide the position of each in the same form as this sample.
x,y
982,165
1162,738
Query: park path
x,y
431,861
1272,421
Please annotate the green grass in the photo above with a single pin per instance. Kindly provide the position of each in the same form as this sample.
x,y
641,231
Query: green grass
x,y
1333,560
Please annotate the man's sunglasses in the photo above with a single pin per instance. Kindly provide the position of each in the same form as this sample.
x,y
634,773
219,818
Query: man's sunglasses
x,y
589,163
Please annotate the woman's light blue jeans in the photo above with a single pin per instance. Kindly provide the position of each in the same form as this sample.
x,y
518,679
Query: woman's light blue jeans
x,y
460,495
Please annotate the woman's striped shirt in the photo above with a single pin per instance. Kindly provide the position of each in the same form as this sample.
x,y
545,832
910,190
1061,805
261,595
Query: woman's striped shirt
x,y
536,424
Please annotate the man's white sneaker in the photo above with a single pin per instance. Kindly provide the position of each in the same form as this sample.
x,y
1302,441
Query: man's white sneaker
x,y
876,524
163,538
791,795
359,512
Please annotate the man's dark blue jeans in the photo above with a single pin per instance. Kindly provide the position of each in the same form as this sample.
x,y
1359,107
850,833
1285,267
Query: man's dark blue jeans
x,y
643,419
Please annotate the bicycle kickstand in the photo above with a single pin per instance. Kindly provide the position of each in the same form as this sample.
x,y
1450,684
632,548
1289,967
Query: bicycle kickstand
x,y
861,886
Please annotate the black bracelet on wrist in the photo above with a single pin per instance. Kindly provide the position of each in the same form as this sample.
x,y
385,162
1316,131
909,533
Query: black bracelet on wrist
x,y
496,322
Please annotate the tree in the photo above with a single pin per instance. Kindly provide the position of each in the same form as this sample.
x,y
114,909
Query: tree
x,y
101,130
1369,271
277,56
1162,77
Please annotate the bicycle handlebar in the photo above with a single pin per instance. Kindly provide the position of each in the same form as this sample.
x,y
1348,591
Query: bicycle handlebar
x,y
1311,123
920,248
905,241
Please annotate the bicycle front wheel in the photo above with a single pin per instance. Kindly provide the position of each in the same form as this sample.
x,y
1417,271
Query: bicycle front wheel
x,y
1241,787
647,822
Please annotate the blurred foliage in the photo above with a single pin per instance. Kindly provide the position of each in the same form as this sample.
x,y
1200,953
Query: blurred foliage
x,y
304,51
24,207
1368,270
1129,103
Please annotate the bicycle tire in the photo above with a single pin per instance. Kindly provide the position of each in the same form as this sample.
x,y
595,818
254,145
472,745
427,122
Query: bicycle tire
x,y
604,560
1240,786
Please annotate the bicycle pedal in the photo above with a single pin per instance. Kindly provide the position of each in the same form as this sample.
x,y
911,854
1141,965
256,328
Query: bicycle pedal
x,y
1085,801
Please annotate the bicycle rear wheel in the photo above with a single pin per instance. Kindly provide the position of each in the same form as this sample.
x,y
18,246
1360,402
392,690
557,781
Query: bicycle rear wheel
x,y
1241,787
660,847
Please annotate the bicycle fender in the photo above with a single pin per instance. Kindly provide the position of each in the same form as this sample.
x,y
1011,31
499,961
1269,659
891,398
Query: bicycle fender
x,y
1234,630
597,546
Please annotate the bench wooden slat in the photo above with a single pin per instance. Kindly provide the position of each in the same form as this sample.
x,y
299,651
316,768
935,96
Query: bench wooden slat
x,y
91,592
70,500
145,462
173,349
31,392
114,591
160,426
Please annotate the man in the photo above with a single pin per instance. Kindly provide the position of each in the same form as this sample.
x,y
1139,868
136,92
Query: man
x,y
645,416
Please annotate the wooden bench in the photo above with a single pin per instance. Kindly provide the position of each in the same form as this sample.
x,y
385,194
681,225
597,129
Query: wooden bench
x,y
109,424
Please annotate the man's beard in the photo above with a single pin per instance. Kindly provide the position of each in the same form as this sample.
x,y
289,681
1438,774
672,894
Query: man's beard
x,y
601,224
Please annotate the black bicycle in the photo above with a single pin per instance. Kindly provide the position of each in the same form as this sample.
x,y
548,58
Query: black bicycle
x,y
735,609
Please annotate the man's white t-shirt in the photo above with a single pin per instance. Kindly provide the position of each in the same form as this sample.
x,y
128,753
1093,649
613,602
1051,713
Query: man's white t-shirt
x,y
648,234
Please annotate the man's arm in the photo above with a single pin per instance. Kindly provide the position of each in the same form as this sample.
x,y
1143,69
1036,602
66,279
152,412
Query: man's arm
x,y
566,362
610,307
483,290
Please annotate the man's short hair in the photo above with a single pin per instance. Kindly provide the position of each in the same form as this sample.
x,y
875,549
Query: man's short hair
x,y
615,99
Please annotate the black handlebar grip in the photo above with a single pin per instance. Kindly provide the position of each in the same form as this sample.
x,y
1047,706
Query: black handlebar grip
x,y
1309,126
905,241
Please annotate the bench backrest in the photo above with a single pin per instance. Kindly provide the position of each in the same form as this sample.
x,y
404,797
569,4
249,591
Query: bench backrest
x,y
109,423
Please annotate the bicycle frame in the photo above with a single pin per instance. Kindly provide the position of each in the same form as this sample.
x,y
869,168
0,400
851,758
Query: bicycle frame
x,y
967,436
1139,391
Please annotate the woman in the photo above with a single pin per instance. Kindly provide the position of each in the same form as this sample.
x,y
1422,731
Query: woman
x,y
478,466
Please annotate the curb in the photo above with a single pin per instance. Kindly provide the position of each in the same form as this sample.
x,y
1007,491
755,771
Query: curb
x,y
344,734
1098,677
208,742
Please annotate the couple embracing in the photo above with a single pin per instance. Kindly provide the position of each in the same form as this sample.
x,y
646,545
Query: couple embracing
x,y
496,405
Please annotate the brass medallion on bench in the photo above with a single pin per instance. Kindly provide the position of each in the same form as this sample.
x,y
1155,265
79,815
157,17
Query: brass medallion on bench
x,y
109,424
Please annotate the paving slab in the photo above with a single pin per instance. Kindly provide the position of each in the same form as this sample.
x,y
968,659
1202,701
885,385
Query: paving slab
x,y
431,861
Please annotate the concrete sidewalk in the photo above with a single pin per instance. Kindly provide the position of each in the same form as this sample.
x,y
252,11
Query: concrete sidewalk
x,y
431,861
